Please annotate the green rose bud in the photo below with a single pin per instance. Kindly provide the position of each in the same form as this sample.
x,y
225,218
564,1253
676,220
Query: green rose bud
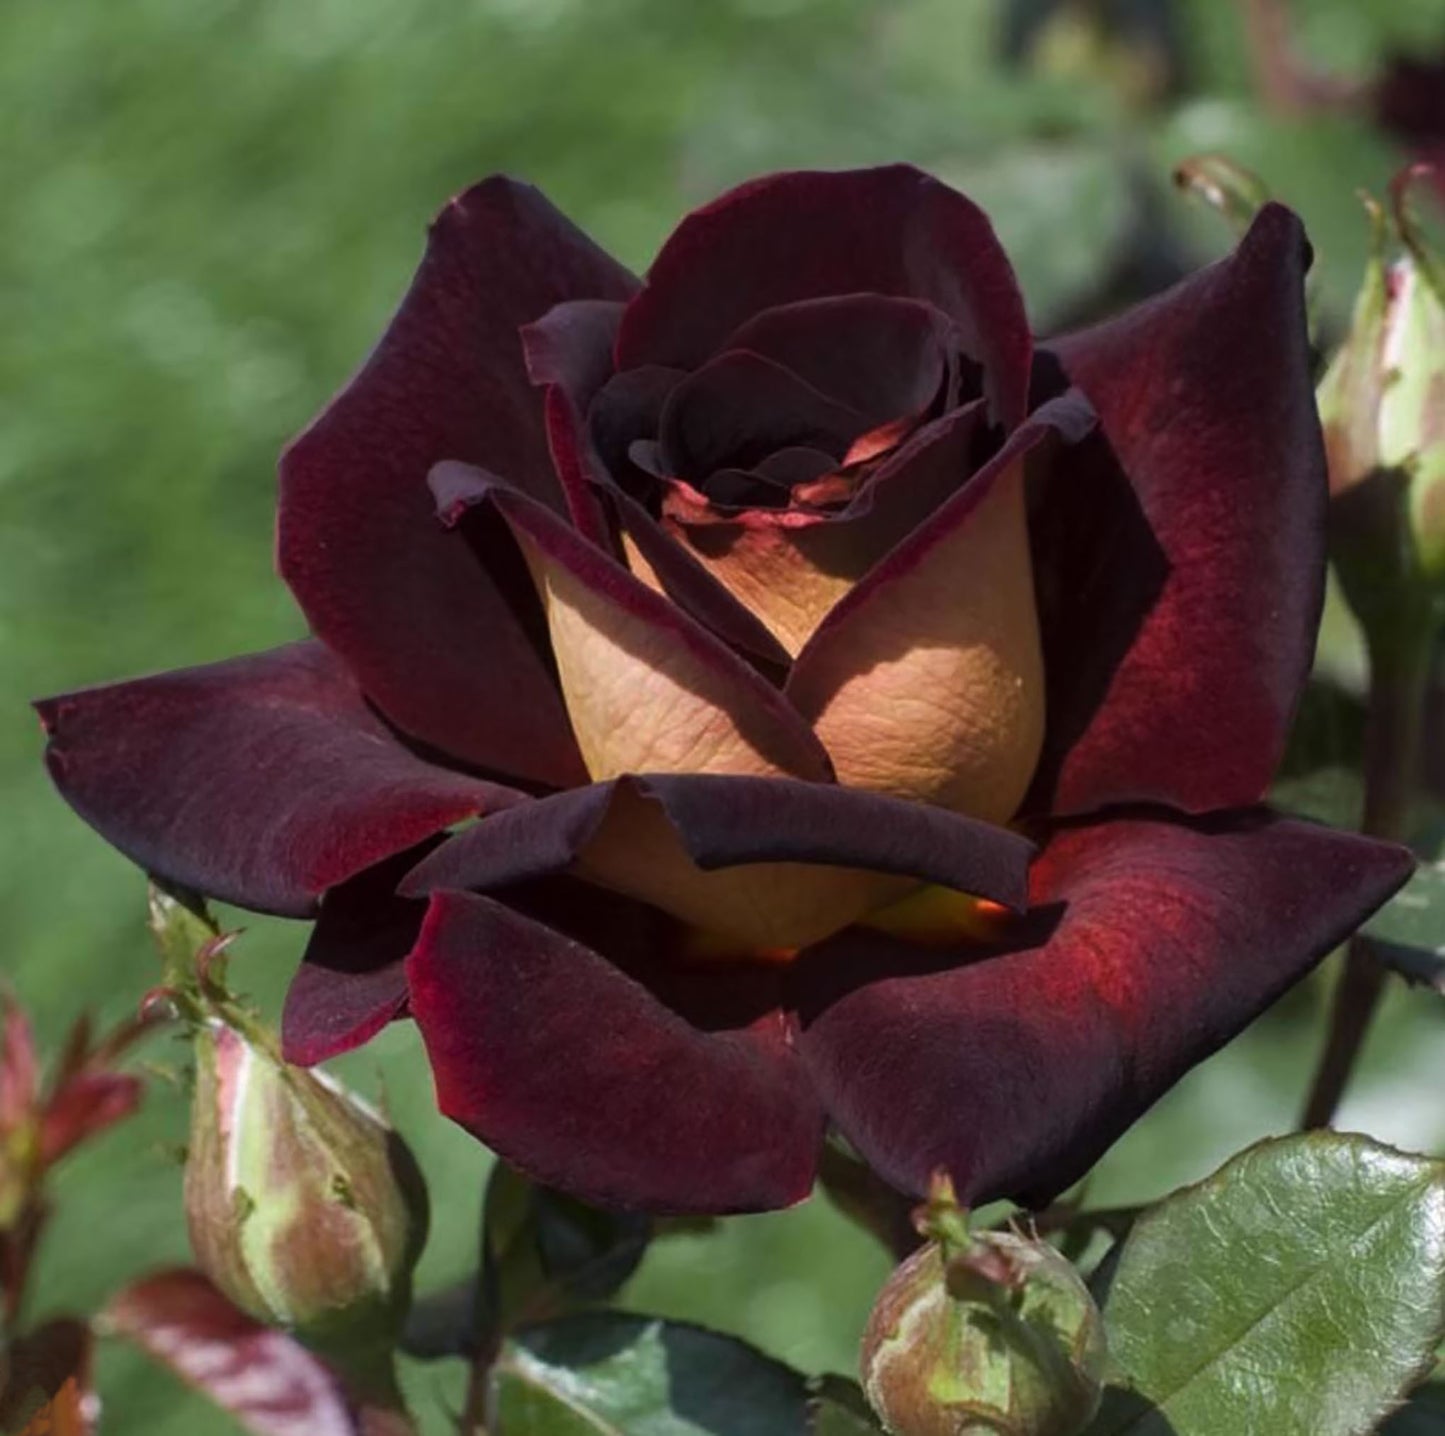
x,y
303,1205
1382,404
987,1334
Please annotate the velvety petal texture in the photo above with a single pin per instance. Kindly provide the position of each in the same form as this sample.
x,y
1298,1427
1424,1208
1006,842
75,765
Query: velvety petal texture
x,y
261,781
647,688
583,1075
791,567
774,863
1151,940
1182,572
927,680
437,639
351,982
892,231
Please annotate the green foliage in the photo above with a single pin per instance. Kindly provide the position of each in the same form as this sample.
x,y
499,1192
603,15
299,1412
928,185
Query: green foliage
x,y
838,1408
607,1374
1303,1283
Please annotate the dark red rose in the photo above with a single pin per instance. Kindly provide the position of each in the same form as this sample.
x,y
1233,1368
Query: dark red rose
x,y
740,608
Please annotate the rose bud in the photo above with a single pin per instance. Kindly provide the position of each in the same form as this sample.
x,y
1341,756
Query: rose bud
x,y
1382,402
988,1332
303,1205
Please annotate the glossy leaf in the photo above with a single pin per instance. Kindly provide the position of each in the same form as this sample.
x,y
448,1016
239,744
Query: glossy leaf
x,y
837,1407
1415,916
545,1253
1422,1415
1298,1289
606,1374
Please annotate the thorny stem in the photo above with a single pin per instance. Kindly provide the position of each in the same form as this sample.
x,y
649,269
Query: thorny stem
x,y
1398,675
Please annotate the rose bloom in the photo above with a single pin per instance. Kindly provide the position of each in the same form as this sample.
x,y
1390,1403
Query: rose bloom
x,y
775,694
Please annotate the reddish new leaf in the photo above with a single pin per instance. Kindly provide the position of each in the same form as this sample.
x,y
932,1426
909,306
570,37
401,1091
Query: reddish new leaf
x,y
268,1382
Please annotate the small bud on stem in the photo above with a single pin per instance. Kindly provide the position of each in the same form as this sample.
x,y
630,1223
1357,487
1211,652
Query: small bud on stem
x,y
982,1334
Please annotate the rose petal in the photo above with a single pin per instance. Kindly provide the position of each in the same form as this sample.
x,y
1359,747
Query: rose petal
x,y
926,679
789,569
628,409
1195,588
648,688
805,235
882,357
737,409
770,862
351,982
1151,941
432,636
261,781
579,1075
569,353
673,569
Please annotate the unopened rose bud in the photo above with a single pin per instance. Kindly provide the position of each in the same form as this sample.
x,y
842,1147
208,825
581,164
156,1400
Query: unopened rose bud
x,y
303,1205
1382,404
986,1334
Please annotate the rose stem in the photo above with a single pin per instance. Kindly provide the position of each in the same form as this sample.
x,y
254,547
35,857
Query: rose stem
x,y
1393,730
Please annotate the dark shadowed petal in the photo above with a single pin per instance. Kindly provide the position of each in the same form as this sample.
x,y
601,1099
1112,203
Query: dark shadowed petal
x,y
674,569
261,781
432,635
594,418
569,353
628,409
772,861
647,687
882,357
1150,942
580,1075
351,982
925,679
739,408
1180,597
805,235
593,423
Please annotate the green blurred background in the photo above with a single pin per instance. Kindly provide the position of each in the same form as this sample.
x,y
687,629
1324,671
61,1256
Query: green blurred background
x,y
211,206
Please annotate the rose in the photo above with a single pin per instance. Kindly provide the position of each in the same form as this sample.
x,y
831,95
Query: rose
x,y
742,606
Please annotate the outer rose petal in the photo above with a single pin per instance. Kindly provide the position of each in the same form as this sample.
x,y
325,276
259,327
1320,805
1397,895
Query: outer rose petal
x,y
432,635
648,689
787,237
791,569
770,862
1151,941
926,680
581,1076
1198,590
261,781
